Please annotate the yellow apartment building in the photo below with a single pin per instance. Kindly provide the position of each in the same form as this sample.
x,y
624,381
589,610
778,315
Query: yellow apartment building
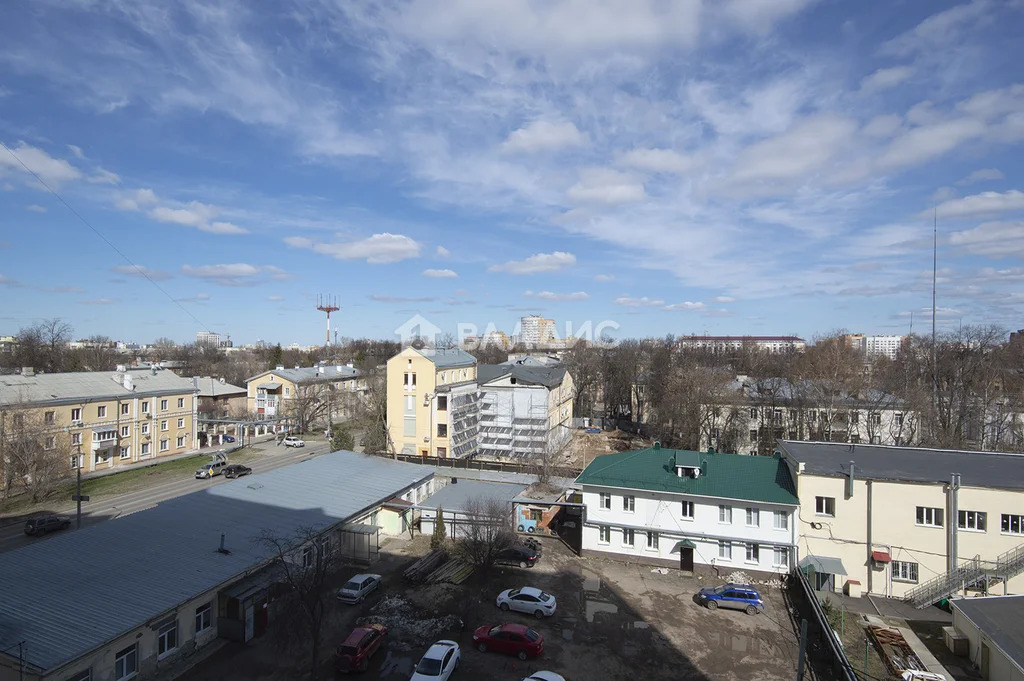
x,y
101,419
433,405
311,396
908,522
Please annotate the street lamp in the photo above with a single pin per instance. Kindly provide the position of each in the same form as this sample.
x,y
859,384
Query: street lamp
x,y
428,399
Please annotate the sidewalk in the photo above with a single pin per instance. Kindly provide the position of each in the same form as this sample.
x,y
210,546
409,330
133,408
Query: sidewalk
x,y
146,463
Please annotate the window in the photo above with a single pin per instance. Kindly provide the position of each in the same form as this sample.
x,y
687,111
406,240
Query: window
x,y
825,506
49,418
125,431
627,536
126,452
180,441
181,403
1012,524
163,405
51,442
899,419
442,452
442,430
652,541
875,419
854,417
101,412
124,409
903,571
780,557
606,501
167,640
165,444
753,553
725,514
929,517
777,416
76,414
101,456
76,461
163,425
687,510
442,403
628,503
307,557
410,381
126,663
753,412
204,618
181,423
976,521
76,438
753,517
145,407
604,534
781,521
82,676
753,434
725,550
145,429
145,449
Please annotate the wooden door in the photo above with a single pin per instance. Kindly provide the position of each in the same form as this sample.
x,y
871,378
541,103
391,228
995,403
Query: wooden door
x,y
686,559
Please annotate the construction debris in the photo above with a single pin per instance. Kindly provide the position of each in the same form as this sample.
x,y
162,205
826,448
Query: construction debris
x,y
409,627
424,566
896,652
455,571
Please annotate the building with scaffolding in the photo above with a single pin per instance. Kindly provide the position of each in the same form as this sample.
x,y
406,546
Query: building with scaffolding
x,y
525,409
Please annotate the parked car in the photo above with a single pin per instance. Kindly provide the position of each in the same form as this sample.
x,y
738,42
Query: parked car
x,y
529,600
358,587
360,645
208,470
544,676
520,555
509,638
227,438
236,470
732,596
293,441
35,527
438,663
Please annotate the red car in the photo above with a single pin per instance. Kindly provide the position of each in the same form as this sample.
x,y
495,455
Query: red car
x,y
512,639
354,654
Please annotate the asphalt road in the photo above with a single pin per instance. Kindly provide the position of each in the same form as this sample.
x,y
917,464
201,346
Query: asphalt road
x,y
273,456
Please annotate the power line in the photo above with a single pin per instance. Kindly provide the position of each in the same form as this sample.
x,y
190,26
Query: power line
x,y
107,241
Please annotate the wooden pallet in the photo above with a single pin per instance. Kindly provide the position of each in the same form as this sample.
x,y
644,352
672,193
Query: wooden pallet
x,y
419,570
896,652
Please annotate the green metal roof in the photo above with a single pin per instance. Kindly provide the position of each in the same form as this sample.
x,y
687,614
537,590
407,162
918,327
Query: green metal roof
x,y
727,476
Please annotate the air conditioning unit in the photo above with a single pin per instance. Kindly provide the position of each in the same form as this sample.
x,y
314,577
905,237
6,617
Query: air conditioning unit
x,y
77,422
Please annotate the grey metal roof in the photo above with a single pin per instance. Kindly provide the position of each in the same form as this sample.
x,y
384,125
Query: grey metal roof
x,y
448,357
824,564
908,464
312,374
999,617
75,591
547,376
455,497
89,385
211,387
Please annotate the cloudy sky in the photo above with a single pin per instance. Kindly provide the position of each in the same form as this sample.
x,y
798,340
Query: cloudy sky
x,y
736,166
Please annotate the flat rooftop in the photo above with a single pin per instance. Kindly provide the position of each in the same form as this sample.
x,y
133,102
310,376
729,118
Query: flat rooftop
x,y
999,617
455,497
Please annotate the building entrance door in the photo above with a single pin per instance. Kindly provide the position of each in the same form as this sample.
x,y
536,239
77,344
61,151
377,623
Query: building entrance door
x,y
686,559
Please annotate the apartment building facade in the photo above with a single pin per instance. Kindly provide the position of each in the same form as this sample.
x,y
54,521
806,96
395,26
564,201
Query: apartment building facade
x,y
307,396
724,344
433,403
882,346
684,509
102,419
525,409
894,520
535,330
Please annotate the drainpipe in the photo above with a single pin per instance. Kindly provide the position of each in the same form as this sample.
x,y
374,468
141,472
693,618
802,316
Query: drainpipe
x,y
954,520
871,571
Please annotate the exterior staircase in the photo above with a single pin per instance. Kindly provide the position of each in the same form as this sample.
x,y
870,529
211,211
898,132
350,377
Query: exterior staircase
x,y
967,574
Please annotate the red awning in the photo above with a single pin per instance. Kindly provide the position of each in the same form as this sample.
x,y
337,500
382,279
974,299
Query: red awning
x,y
880,557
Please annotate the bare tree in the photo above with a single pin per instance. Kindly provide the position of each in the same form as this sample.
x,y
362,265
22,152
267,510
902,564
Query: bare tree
x,y
584,364
376,439
34,455
484,533
43,345
306,561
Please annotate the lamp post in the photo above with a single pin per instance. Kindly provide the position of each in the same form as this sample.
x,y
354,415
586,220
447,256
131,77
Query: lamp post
x,y
428,402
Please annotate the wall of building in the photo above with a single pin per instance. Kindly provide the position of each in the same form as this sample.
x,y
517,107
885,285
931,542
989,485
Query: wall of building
x,y
1000,668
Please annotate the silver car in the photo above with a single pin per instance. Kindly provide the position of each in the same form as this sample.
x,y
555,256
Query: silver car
x,y
358,587
211,469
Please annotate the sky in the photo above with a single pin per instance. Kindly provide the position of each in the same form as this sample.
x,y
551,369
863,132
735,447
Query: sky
x,y
683,167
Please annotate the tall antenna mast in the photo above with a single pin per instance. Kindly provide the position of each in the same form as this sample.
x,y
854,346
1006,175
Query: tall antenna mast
x,y
935,270
327,304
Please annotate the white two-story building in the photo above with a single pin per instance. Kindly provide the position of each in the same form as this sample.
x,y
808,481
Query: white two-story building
x,y
679,508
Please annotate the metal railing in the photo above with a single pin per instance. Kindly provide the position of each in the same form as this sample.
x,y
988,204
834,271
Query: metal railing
x,y
967,574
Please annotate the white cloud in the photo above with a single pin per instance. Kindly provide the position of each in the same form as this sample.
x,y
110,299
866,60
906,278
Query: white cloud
x,y
141,272
377,249
938,31
982,175
540,262
605,186
275,299
76,150
885,125
685,306
382,298
35,208
724,299
993,239
50,170
543,136
657,160
883,79
235,274
604,278
98,301
133,200
802,150
926,142
103,176
943,194
198,215
760,16
197,298
557,297
440,274
443,252
985,203
629,301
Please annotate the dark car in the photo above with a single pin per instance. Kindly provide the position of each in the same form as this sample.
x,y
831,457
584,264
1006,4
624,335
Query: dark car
x,y
520,555
509,638
236,470
732,596
48,523
227,438
355,653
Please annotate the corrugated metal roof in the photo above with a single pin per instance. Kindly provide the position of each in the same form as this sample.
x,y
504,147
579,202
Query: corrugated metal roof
x,y
455,497
86,385
549,377
448,357
908,464
727,476
75,591
312,374
211,387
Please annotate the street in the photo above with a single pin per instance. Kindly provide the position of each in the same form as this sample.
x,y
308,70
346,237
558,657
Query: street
x,y
270,456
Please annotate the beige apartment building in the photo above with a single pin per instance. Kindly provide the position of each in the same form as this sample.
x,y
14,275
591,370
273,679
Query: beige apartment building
x,y
525,408
309,396
908,522
433,403
101,419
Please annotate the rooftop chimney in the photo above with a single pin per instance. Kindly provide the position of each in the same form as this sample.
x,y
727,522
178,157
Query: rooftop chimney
x,y
222,380
280,367
120,367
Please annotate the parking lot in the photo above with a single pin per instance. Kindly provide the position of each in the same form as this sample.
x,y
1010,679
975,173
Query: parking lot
x,y
614,621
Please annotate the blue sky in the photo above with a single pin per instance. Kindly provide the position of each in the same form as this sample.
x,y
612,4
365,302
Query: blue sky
x,y
743,166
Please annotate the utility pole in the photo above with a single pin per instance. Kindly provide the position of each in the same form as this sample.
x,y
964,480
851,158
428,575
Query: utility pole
x,y
935,269
79,497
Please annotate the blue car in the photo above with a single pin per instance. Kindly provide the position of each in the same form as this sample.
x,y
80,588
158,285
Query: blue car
x,y
228,438
733,596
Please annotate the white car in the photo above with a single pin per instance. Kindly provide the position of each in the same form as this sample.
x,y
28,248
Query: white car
x,y
438,663
544,676
292,441
358,587
529,600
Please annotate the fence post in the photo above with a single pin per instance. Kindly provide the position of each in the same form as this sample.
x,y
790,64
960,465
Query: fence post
x,y
803,650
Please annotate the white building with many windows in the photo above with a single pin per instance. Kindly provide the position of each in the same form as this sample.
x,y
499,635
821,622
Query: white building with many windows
x,y
682,509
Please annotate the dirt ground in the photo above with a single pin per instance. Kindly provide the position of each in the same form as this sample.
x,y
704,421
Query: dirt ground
x,y
614,621
585,447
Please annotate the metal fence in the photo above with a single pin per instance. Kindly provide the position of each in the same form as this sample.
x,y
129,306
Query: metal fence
x,y
481,465
821,631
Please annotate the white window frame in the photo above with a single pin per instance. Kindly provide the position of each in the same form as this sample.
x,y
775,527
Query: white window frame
x,y
753,554
145,449
753,517
76,438
101,412
628,503
904,571
145,407
163,425
180,442
125,431
76,414
1007,522
687,510
724,514
181,403
605,501
51,442
780,520
825,506
164,639
84,675
181,423
929,516
163,405
604,534
780,556
145,429
125,452
724,550
125,408
652,540
204,618
129,653
972,521
165,445
628,533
